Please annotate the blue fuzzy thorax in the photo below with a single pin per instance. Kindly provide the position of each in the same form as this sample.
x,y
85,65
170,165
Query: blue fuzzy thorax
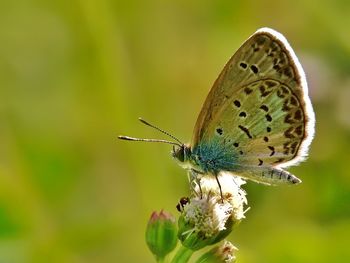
x,y
214,157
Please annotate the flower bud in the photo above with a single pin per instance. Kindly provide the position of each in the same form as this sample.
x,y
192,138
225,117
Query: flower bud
x,y
161,234
220,254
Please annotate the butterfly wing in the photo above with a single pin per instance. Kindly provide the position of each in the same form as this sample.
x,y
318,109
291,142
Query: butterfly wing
x,y
258,109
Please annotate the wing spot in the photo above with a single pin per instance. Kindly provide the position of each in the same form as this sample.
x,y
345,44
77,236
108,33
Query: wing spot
x,y
268,129
237,103
254,69
219,131
286,148
246,131
268,117
284,90
276,67
236,144
272,150
298,115
260,162
299,130
243,65
271,83
288,133
242,114
248,90
279,161
293,101
260,40
264,108
288,119
241,152
293,147
266,139
285,106
288,72
263,91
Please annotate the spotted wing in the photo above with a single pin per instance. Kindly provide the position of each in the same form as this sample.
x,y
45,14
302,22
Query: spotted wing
x,y
258,108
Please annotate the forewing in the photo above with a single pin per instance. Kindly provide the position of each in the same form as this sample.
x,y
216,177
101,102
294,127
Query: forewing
x,y
259,105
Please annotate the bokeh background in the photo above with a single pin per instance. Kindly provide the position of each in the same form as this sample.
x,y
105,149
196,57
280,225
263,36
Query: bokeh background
x,y
75,74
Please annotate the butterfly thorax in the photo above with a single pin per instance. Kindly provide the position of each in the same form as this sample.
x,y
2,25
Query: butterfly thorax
x,y
205,158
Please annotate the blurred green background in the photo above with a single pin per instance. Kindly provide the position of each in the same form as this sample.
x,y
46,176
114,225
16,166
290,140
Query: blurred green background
x,y
75,74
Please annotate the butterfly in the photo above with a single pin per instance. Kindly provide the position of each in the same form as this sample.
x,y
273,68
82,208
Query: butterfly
x,y
257,118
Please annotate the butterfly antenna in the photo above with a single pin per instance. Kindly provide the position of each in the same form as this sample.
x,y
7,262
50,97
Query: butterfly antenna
x,y
127,138
162,131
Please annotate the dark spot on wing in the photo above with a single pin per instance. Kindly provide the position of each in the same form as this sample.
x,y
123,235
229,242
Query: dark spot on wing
x,y
237,103
268,117
271,83
264,92
272,150
264,108
299,130
266,139
254,69
246,131
240,152
276,67
219,131
243,65
285,106
288,119
286,148
288,133
293,147
288,72
280,160
242,114
260,162
298,115
285,90
260,40
248,90
293,101
268,129
236,144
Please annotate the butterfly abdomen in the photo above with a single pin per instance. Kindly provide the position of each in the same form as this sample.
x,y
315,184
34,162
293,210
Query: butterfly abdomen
x,y
268,175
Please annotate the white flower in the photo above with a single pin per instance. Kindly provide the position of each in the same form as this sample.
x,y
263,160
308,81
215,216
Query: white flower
x,y
208,212
231,191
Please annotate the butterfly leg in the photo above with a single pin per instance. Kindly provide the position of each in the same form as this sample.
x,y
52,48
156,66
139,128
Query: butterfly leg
x,y
217,180
194,179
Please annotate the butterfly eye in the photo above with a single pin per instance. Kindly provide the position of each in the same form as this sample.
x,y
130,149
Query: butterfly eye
x,y
179,154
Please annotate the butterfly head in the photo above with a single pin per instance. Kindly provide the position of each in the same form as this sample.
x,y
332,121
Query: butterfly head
x,y
181,153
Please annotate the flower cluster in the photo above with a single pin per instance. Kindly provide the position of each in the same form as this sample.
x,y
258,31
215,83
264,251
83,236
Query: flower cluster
x,y
207,217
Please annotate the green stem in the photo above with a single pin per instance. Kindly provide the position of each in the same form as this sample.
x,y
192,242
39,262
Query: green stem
x,y
161,260
182,255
